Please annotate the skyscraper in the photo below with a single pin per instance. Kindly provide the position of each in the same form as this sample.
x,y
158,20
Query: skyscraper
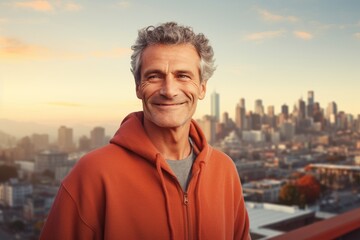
x,y
65,139
285,110
331,111
215,106
310,104
301,108
240,114
97,137
259,108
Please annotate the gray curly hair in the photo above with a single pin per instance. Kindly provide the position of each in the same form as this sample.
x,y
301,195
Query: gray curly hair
x,y
172,33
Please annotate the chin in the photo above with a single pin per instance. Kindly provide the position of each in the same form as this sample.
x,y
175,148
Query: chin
x,y
170,122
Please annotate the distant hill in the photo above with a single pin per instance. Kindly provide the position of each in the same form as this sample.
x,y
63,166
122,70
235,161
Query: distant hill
x,y
6,140
20,129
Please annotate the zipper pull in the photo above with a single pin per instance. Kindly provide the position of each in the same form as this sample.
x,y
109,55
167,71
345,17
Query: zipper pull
x,y
186,199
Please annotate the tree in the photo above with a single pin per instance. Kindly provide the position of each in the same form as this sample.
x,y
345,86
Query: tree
x,y
309,187
305,190
289,194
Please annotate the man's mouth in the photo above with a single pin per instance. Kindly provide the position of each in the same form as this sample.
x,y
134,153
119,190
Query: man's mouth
x,y
168,104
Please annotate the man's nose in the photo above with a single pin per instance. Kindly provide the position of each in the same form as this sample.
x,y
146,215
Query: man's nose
x,y
169,87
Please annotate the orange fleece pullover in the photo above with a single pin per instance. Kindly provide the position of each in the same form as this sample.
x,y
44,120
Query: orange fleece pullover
x,y
126,190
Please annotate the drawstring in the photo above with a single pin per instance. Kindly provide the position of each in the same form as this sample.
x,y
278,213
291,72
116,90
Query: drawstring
x,y
159,170
198,194
198,202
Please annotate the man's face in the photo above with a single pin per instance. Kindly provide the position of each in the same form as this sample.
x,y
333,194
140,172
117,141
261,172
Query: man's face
x,y
170,84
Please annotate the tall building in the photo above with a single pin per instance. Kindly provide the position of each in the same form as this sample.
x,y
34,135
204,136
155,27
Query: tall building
x,y
310,104
215,106
65,139
97,137
259,108
208,125
301,108
331,112
270,119
240,115
285,111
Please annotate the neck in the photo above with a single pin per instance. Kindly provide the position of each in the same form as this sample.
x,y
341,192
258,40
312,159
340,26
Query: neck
x,y
172,143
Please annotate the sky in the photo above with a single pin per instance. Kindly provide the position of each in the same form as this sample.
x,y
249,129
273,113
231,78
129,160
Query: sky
x,y
68,62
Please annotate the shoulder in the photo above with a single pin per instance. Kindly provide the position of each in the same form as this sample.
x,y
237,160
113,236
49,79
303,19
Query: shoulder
x,y
96,163
221,163
220,158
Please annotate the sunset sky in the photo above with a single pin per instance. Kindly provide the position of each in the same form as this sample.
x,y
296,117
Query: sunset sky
x,y
68,62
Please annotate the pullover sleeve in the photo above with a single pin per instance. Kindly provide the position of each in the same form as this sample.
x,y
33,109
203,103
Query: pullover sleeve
x,y
64,221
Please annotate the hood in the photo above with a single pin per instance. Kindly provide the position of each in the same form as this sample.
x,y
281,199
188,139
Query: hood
x,y
132,136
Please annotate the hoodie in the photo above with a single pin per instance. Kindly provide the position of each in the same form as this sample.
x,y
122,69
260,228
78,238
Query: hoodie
x,y
126,190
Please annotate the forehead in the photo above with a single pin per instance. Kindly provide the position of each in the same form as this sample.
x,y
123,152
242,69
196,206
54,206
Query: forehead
x,y
170,56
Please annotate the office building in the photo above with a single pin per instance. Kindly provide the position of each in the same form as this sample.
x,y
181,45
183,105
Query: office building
x,y
97,137
215,106
240,115
65,139
259,108
310,104
48,160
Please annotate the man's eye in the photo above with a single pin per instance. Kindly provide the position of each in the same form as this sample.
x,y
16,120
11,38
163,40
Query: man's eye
x,y
184,76
152,77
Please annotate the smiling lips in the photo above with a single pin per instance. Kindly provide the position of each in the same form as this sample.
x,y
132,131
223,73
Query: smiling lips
x,y
168,104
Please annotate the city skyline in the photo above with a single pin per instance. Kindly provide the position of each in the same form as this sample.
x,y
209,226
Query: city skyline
x,y
85,128
68,62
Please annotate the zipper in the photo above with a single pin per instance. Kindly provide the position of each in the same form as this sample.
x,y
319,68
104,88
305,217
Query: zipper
x,y
187,216
186,199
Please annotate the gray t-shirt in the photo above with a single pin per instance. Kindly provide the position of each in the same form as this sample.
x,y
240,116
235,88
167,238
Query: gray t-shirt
x,y
182,169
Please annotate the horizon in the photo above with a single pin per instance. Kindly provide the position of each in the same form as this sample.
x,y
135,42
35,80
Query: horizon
x,y
81,128
68,62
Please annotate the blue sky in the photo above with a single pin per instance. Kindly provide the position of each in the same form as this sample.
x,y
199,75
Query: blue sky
x,y
68,62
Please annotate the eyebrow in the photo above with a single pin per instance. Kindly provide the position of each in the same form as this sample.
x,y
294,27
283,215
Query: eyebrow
x,y
151,71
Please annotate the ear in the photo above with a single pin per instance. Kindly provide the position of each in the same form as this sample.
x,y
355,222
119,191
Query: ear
x,y
138,91
202,89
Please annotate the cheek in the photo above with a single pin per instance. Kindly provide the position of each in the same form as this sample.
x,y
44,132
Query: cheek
x,y
145,90
195,90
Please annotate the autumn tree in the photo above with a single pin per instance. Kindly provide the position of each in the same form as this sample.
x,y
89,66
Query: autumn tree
x,y
289,194
309,187
305,190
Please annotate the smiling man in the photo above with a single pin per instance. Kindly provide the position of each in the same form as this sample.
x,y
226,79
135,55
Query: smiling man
x,y
158,178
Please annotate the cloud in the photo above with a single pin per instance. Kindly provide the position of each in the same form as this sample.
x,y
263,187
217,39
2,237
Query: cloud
x,y
303,35
357,35
271,17
65,104
72,7
36,5
259,36
17,49
124,4
117,52
12,48
48,6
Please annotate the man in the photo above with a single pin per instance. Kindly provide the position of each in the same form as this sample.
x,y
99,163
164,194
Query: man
x,y
158,178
